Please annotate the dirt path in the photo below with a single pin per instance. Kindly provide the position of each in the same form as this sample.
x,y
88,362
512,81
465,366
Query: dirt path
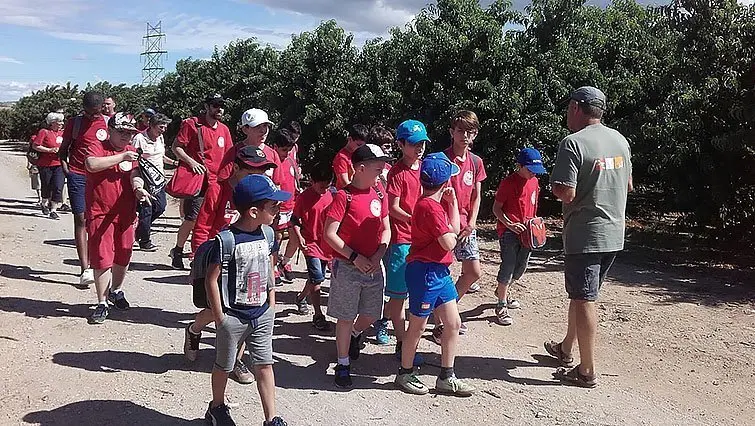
x,y
667,355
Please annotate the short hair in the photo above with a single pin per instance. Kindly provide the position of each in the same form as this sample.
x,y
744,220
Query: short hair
x,y
380,136
54,116
321,173
284,138
294,128
109,96
358,132
465,119
591,111
432,188
93,99
159,118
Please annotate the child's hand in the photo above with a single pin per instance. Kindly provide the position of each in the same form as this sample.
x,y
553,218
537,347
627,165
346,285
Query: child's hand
x,y
449,195
517,227
363,264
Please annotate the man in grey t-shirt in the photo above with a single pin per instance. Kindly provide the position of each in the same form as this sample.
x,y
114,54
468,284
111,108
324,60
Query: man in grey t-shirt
x,y
592,176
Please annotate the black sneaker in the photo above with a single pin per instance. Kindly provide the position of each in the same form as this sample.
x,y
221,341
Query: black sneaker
x,y
148,246
99,315
54,215
191,343
278,281
177,255
355,346
276,421
219,416
287,274
45,209
343,376
64,208
302,307
119,300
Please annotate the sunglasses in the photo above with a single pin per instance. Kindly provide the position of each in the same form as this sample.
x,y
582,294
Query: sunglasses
x,y
216,105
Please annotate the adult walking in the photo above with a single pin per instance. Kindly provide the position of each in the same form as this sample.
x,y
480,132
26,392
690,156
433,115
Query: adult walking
x,y
47,143
592,176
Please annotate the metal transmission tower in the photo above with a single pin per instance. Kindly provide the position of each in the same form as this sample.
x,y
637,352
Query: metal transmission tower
x,y
153,56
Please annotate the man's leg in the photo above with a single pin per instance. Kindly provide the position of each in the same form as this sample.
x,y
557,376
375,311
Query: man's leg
x,y
145,220
119,275
266,388
587,329
567,345
102,279
80,237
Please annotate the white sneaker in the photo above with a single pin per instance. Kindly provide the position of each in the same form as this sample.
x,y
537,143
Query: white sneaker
x,y
474,288
513,304
87,278
463,329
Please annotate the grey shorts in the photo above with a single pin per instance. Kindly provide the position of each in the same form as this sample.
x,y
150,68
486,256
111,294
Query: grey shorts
x,y
258,337
353,293
584,274
514,258
191,207
468,250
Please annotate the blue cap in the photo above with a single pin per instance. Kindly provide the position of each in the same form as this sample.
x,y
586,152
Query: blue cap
x,y
412,131
437,169
255,188
532,160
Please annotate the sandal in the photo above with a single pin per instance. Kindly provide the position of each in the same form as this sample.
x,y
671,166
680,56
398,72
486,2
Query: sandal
x,y
574,377
554,350
320,323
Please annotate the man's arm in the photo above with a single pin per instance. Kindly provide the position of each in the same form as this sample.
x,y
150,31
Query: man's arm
x,y
631,185
181,154
98,164
342,180
563,192
385,239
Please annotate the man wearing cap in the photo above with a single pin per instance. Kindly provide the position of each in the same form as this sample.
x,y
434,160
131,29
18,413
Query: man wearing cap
x,y
515,204
204,155
142,120
592,176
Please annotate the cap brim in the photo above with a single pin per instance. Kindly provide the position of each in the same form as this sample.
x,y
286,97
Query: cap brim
x,y
455,170
280,196
255,124
537,169
263,165
416,140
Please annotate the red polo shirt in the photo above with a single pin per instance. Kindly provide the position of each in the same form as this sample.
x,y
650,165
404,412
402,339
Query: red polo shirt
x,y
91,130
403,182
311,208
48,139
465,182
430,221
217,141
518,197
362,224
109,192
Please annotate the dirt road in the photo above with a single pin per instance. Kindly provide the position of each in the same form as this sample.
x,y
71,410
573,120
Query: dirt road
x,y
667,354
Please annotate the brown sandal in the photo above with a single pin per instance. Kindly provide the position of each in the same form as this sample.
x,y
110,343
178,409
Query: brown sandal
x,y
554,350
574,377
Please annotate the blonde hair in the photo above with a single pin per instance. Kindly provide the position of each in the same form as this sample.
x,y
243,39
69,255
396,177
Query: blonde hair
x,y
53,117
465,119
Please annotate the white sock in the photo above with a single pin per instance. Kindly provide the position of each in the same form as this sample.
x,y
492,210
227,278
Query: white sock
x,y
120,290
354,333
344,361
285,260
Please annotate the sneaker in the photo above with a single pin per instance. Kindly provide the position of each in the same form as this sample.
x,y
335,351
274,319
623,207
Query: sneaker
x,y
437,333
419,360
502,316
453,386
148,246
191,343
177,255
381,332
278,281
219,416
285,273
87,278
276,421
513,304
54,215
119,300
355,346
45,208
99,315
64,208
463,329
474,288
320,323
302,306
343,376
241,373
409,383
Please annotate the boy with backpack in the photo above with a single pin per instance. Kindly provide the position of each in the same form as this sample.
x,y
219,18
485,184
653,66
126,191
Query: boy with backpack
x,y
358,231
307,223
435,227
515,203
241,294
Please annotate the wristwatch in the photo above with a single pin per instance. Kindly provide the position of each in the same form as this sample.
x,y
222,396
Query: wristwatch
x,y
353,256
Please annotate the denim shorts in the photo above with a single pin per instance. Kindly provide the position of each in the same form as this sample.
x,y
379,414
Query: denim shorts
x,y
191,207
584,274
76,189
316,269
514,258
395,271
468,250
430,285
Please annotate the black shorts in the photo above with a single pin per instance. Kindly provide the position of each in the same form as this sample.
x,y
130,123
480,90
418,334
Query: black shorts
x,y
191,207
584,274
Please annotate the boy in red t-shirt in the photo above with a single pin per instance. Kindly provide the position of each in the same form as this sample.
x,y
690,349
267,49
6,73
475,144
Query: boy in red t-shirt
x,y
515,203
435,227
286,177
343,167
307,224
358,231
112,188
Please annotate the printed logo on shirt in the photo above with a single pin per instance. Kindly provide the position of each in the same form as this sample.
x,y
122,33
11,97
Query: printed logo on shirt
x,y
609,163
293,172
231,214
59,140
376,208
533,198
221,141
125,166
468,178
425,306
101,135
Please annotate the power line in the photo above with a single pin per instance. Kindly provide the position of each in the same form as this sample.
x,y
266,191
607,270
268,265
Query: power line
x,y
154,54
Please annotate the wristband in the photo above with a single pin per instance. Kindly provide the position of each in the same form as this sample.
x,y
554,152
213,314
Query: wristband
x,y
353,256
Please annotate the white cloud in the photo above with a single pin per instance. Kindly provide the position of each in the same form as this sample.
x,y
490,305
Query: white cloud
x,y
13,90
9,60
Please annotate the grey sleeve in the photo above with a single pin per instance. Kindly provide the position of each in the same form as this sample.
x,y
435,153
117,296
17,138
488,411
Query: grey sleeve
x,y
568,162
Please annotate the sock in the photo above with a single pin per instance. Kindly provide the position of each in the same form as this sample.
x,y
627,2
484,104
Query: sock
x,y
103,303
501,304
344,361
354,333
285,260
446,372
120,290
402,370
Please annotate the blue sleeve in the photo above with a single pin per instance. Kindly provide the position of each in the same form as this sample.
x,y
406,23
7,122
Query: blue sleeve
x,y
213,255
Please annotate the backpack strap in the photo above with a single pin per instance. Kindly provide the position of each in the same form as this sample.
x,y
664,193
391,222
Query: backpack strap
x,y
269,234
476,160
227,246
379,192
200,139
76,128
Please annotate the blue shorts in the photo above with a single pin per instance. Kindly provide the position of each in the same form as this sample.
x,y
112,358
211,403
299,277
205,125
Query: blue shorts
x,y
395,271
430,285
316,269
76,189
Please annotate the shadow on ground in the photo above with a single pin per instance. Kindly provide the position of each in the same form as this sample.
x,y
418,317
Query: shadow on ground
x,y
105,412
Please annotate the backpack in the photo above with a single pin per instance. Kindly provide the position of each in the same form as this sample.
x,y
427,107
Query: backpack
x,y
227,244
476,160
535,235
154,179
32,155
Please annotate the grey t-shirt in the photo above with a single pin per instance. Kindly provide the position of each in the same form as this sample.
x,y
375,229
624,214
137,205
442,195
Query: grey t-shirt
x,y
597,162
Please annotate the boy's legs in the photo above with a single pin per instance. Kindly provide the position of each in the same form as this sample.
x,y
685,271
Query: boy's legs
x,y
260,343
229,333
396,288
76,189
468,253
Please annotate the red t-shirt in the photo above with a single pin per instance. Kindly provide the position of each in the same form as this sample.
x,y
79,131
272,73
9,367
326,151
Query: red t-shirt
x,y
226,166
311,209
217,142
90,130
430,221
48,139
109,192
285,177
403,182
362,226
464,183
518,197
342,164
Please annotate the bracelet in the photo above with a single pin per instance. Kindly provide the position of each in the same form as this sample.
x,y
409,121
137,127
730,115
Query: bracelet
x,y
353,256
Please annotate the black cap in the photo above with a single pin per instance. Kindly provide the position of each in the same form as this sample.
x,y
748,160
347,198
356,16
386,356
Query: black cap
x,y
255,157
214,98
368,152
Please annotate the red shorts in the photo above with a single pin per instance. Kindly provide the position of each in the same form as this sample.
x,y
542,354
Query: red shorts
x,y
283,221
110,242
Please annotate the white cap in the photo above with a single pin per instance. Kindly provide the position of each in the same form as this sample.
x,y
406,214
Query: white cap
x,y
254,117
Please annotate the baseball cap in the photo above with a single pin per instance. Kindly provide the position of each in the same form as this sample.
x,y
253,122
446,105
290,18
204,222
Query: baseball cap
x,y
437,169
589,95
254,117
368,152
123,122
149,112
532,160
255,157
253,188
412,131
214,98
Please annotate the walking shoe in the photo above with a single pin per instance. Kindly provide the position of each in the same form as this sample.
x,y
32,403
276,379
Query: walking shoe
x,y
355,346
453,386
54,215
45,208
148,246
302,306
437,333
278,280
285,273
87,278
463,329
320,323
502,316
276,421
381,332
119,300
64,208
176,253
241,373
513,304
343,376
99,315
419,360
191,343
409,383
219,416
474,288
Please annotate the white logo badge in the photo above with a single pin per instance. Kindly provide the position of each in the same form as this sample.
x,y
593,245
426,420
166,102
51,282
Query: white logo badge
x,y
221,141
533,199
293,172
125,166
376,208
468,178
59,140
101,135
